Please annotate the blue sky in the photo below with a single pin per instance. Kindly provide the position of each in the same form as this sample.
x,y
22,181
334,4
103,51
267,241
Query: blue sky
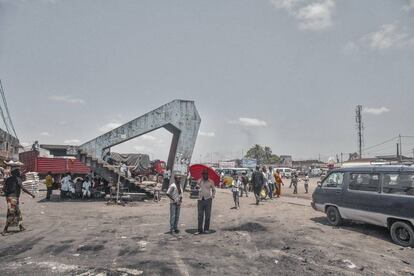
x,y
285,73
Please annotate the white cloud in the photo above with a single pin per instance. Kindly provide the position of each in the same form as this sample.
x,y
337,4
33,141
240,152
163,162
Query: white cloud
x,y
110,126
375,111
249,122
44,133
312,15
207,134
66,99
388,36
72,141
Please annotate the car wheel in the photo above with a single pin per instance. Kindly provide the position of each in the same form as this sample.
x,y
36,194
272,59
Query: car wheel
x,y
333,215
402,233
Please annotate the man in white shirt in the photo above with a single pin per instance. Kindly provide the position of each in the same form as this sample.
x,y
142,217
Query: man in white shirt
x,y
207,192
174,192
65,186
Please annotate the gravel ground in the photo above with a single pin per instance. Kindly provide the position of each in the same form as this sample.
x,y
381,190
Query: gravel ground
x,y
279,237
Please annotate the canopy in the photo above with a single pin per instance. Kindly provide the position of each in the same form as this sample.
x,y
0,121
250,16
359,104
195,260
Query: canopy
x,y
197,170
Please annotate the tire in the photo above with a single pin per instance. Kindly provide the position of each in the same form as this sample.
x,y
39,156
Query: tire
x,y
402,233
333,216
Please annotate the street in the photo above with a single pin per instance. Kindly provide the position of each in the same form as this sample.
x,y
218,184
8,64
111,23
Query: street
x,y
279,237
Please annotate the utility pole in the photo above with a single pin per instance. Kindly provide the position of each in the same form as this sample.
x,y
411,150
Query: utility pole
x,y
360,128
398,151
413,154
401,150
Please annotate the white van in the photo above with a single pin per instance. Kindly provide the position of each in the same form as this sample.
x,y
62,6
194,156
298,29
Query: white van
x,y
285,172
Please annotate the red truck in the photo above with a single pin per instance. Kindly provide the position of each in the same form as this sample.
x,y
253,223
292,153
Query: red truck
x,y
42,165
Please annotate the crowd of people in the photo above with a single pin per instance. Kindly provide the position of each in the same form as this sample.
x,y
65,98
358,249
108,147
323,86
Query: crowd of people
x,y
77,187
265,183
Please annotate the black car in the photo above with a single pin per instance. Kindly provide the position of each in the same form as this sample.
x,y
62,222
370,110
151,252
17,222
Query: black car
x,y
379,195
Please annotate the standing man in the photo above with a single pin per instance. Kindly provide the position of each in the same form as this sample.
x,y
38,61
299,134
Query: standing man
x,y
257,183
306,180
207,192
295,181
236,192
174,192
12,189
271,181
49,185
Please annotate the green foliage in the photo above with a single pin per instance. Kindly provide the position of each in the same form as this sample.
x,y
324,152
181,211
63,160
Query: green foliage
x,y
263,155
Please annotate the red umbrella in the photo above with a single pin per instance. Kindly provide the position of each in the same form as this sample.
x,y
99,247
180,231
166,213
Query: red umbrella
x,y
196,172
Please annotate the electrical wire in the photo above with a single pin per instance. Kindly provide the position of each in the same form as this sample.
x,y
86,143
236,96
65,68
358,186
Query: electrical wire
x,y
380,144
7,109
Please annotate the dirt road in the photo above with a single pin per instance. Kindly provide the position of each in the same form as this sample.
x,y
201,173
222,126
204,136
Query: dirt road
x,y
279,237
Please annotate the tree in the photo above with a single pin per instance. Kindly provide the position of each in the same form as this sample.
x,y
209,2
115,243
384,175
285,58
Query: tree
x,y
256,152
263,155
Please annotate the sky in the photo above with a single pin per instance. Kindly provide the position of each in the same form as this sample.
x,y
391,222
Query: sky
x,y
282,73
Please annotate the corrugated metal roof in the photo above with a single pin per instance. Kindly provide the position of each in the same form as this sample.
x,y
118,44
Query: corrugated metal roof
x,y
61,165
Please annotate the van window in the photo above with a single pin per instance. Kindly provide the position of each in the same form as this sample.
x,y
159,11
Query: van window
x,y
334,180
367,182
400,184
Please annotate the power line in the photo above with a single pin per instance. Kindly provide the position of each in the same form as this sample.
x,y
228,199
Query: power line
x,y
4,118
382,143
7,109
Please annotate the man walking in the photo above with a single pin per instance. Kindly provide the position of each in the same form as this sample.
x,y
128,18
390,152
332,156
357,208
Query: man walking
x,y
257,183
174,192
49,185
279,183
207,192
245,183
271,181
12,189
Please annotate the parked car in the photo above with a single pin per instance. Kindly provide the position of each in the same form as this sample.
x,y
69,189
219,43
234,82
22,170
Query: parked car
x,y
379,195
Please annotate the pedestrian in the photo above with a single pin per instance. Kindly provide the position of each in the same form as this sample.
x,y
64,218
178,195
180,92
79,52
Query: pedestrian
x,y
174,192
124,170
245,184
166,179
266,183
49,185
12,189
236,192
271,180
257,183
65,186
86,188
306,183
78,187
207,192
279,183
295,182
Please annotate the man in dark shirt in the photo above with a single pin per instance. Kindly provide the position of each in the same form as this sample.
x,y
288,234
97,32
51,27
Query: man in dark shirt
x,y
257,183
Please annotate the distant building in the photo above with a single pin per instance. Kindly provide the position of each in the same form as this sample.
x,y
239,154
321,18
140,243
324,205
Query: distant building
x,y
306,165
9,146
286,161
